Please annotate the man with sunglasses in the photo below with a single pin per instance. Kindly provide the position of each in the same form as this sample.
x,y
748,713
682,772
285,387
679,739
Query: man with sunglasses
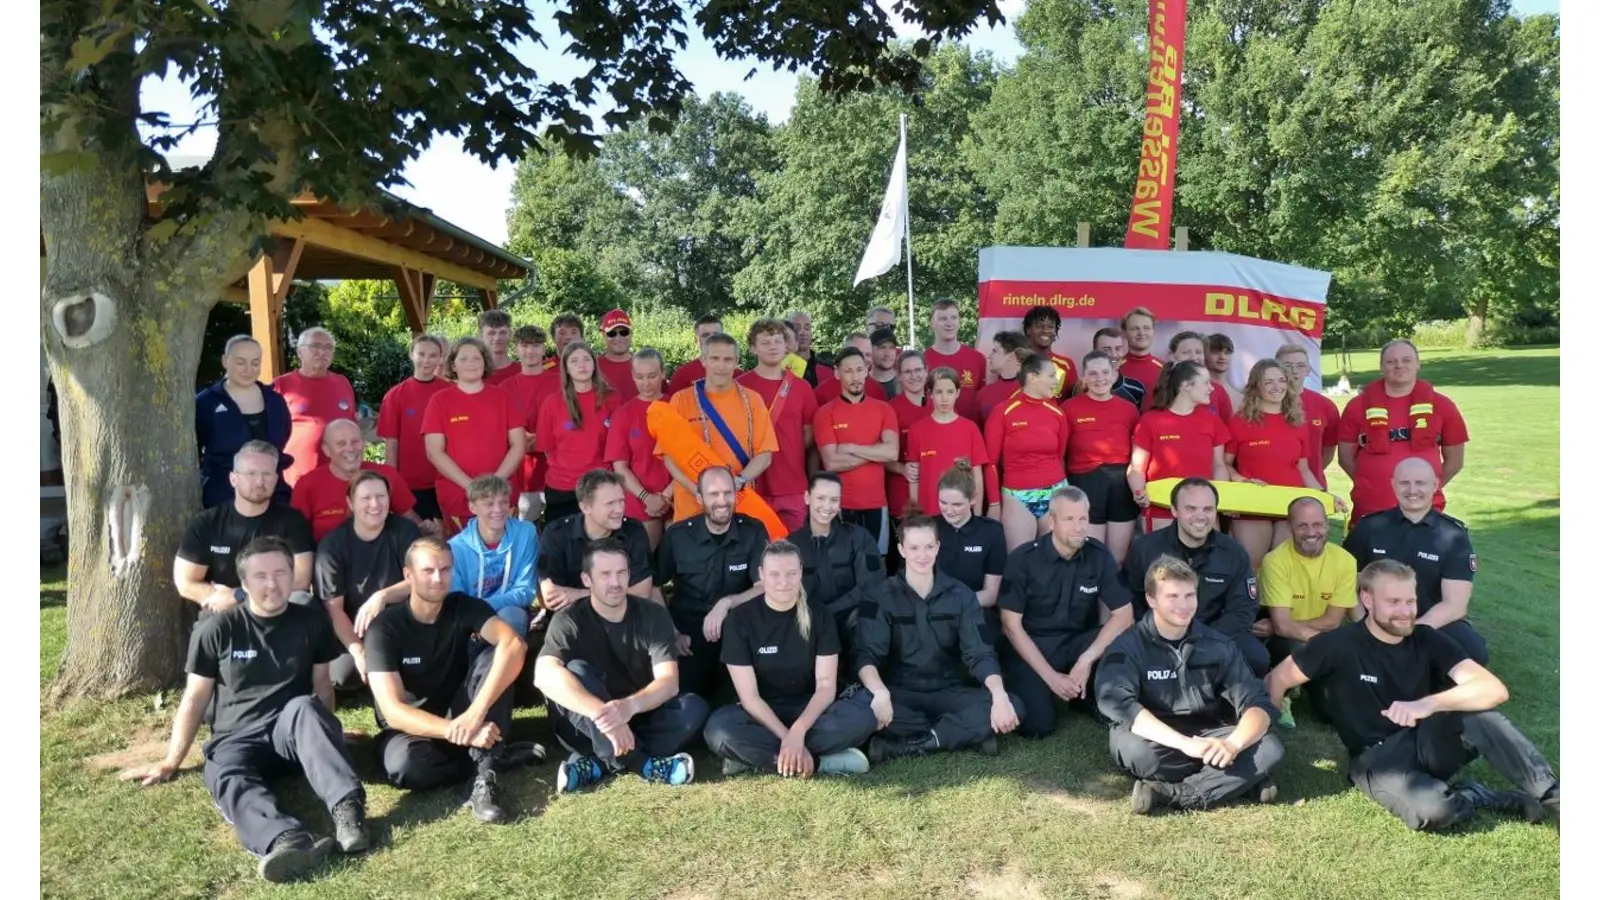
x,y
616,364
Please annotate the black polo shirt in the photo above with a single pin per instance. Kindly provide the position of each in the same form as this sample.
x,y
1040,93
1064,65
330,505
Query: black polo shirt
x,y
918,643
562,545
836,567
1197,682
1059,597
1229,598
1437,547
972,552
703,567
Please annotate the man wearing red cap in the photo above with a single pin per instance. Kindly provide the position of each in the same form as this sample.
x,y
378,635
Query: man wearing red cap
x,y
616,364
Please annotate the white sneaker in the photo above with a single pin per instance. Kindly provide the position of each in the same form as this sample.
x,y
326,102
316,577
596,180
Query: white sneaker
x,y
844,762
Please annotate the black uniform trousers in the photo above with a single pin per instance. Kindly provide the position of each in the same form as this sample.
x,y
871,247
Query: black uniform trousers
x,y
663,731
306,738
1255,653
1407,774
958,715
1038,709
701,672
1191,783
415,763
734,734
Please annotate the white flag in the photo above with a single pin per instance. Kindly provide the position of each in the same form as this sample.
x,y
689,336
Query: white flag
x,y
883,251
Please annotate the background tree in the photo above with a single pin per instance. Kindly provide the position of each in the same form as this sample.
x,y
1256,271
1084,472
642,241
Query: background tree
x,y
333,97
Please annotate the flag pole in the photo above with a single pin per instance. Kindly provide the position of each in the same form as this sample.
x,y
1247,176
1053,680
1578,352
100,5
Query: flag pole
x,y
911,297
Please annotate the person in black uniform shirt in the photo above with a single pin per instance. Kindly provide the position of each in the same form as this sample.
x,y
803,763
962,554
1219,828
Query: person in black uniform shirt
x,y
782,652
1434,545
441,699
919,650
839,561
713,562
1190,720
267,662
1413,709
360,570
1061,605
1230,600
204,570
601,505
610,680
972,548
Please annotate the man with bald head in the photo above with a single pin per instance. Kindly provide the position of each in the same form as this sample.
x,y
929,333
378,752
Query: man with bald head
x,y
321,495
1433,544
1307,586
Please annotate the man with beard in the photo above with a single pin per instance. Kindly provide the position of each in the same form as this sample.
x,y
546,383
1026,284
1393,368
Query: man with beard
x,y
442,699
856,435
713,562
321,494
885,357
600,516
1413,710
400,422
731,418
1229,597
1041,325
1189,718
1307,586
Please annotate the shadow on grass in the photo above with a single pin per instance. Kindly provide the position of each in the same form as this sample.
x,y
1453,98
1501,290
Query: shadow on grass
x,y
1529,367
51,599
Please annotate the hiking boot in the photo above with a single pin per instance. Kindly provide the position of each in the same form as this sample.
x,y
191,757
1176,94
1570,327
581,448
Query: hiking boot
x,y
675,770
884,748
350,825
292,856
844,762
578,772
1518,803
731,767
1148,796
1267,792
485,800
519,754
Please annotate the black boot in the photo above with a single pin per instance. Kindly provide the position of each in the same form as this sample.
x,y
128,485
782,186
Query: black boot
x,y
350,824
292,855
1149,796
485,800
892,748
1518,803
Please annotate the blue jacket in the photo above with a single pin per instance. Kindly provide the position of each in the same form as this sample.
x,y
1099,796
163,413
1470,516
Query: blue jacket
x,y
502,577
220,430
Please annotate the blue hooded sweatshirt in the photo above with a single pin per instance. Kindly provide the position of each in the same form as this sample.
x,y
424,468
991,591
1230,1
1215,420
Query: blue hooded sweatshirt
x,y
502,577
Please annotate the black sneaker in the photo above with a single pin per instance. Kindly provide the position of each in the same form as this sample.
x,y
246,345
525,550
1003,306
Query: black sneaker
x,y
293,855
350,825
484,800
1267,792
1518,803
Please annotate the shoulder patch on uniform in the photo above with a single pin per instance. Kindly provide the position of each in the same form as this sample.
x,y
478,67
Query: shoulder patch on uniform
x,y
1114,657
1472,562
867,609
1250,585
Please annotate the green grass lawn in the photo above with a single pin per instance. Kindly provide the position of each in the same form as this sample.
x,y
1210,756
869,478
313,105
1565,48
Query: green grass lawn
x,y
1045,819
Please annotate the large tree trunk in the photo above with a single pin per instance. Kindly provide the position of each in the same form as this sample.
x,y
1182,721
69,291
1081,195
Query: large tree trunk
x,y
1478,319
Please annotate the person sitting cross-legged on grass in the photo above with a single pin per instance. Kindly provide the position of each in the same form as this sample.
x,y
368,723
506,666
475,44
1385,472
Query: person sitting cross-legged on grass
x,y
441,697
1413,709
782,651
1189,718
609,674
268,660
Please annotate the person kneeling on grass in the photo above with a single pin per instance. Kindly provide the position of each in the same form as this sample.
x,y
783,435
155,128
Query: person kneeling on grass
x,y
441,697
782,651
919,646
268,661
609,674
1189,718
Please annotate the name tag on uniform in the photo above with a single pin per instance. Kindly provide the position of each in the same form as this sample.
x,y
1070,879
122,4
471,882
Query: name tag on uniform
x,y
739,568
244,654
1430,557
1210,580
411,661
222,550
973,549
767,651
1160,675
1088,588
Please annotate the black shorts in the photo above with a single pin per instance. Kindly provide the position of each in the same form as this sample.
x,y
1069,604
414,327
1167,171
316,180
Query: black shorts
x,y
1110,499
427,503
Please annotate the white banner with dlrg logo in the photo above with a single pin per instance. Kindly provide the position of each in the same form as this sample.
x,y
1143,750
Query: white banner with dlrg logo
x,y
1260,305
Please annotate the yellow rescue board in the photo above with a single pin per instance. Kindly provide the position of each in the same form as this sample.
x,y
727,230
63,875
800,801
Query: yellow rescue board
x,y
1242,497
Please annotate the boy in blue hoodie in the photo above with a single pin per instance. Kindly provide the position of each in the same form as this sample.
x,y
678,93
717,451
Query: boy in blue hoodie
x,y
495,555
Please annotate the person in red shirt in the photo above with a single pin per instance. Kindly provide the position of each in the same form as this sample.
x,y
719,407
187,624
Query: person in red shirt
x,y
1190,346
1219,359
1027,441
791,405
1139,326
571,428
1394,418
315,397
1322,414
1040,326
323,495
1006,356
1268,444
1099,445
494,329
470,429
911,405
947,350
857,436
532,382
1178,438
938,440
631,449
400,422
616,364
817,371
687,374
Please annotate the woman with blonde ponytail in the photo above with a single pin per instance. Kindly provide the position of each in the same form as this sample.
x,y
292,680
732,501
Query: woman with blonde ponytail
x,y
782,652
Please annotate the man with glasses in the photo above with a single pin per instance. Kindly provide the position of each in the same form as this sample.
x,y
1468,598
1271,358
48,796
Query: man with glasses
x,y
316,397
616,364
1322,416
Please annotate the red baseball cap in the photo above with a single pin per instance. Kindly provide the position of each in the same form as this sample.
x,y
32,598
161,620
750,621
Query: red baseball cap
x,y
614,319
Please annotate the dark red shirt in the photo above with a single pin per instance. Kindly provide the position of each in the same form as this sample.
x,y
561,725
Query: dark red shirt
x,y
619,375
906,415
629,440
992,395
1144,369
787,474
400,420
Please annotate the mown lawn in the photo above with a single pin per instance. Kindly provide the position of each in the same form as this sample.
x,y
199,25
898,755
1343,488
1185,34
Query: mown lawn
x,y
1046,819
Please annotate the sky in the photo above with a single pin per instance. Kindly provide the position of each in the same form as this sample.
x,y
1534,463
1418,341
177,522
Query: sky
x,y
472,195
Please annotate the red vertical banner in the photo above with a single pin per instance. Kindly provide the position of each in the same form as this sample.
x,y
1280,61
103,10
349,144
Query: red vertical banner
x,y
1150,224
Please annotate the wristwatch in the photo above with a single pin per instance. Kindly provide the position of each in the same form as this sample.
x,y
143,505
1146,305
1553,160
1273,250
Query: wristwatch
x,y
739,482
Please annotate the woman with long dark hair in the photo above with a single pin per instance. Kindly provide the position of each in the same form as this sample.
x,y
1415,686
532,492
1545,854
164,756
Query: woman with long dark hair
x,y
571,428
1027,441
1178,438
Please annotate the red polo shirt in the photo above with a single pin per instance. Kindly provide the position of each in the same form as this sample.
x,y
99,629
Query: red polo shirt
x,y
1179,446
400,420
1101,432
321,496
313,403
787,474
935,447
1028,439
864,422
1270,450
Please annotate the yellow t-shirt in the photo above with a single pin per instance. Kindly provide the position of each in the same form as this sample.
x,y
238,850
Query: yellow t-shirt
x,y
1308,586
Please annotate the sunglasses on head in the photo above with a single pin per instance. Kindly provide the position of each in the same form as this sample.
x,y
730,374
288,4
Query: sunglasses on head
x,y
619,332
